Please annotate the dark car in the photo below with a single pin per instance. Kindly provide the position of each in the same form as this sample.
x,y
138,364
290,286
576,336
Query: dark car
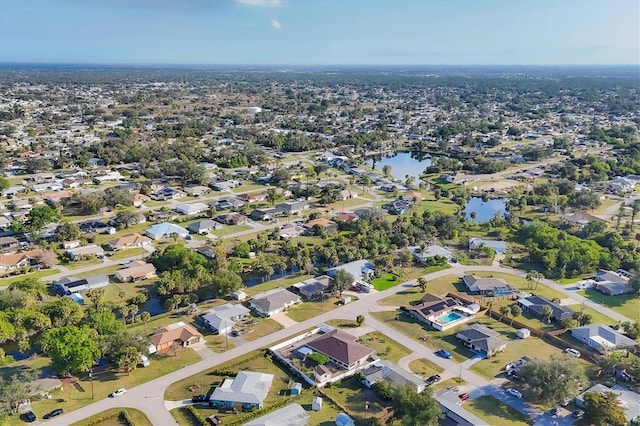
x,y
53,413
463,396
433,379
554,411
29,417
199,398
578,414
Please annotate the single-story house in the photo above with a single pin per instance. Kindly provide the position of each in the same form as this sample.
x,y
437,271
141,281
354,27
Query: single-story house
x,y
176,334
69,285
204,226
84,251
482,339
313,288
193,208
222,319
23,259
247,390
227,203
224,186
327,224
347,217
290,415
166,230
580,218
273,301
628,399
386,370
139,199
136,271
489,286
429,252
8,243
476,243
129,241
292,207
621,185
5,223
613,283
167,194
197,190
602,337
232,219
442,313
253,197
207,251
342,348
289,231
362,270
535,305
263,214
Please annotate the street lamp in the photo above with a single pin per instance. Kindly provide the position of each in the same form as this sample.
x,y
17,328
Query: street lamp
x,y
366,408
91,377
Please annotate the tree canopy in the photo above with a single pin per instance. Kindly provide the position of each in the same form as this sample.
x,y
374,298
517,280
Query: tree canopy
x,y
554,380
71,348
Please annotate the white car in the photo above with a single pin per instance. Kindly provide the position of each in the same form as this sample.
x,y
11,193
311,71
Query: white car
x,y
572,352
514,392
119,392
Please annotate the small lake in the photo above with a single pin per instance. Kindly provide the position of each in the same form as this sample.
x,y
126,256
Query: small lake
x,y
402,164
276,276
153,306
485,210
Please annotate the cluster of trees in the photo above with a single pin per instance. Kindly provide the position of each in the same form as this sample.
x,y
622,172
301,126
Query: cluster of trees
x,y
109,198
558,378
183,271
562,255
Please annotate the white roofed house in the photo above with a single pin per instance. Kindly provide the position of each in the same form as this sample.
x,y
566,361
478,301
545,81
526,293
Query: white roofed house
x,y
390,372
222,319
84,252
621,185
273,302
191,209
602,337
291,415
247,391
166,230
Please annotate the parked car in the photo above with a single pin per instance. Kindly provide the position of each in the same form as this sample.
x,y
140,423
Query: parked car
x,y
53,413
29,417
514,392
119,392
444,354
566,402
572,352
578,414
214,420
463,396
433,379
554,411
199,398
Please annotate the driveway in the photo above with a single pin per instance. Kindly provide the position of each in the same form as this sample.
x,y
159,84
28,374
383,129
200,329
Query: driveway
x,y
283,320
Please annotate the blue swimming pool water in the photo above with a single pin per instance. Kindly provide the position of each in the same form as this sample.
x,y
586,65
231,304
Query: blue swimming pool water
x,y
450,317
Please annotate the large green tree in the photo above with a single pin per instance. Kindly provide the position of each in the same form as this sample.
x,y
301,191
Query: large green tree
x,y
14,390
603,409
554,380
342,281
71,348
413,408
41,216
67,231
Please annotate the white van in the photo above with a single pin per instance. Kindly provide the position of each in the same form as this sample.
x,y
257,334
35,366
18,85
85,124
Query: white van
x,y
144,361
572,352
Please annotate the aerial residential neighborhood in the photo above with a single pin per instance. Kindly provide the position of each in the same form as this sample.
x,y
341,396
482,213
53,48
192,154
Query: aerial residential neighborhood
x,y
366,244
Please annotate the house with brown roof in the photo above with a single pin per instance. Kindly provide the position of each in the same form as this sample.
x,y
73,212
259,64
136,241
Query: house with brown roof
x,y
327,224
137,271
139,199
177,334
412,195
253,197
342,348
129,241
347,217
9,243
16,261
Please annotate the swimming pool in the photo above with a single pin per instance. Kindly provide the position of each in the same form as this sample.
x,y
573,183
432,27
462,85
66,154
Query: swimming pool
x,y
450,317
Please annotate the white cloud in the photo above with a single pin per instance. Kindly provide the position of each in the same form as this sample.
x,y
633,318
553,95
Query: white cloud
x,y
260,3
275,24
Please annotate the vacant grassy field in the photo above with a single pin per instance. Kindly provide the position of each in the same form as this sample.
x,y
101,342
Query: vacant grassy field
x,y
350,394
385,346
386,281
115,416
82,263
305,310
230,229
281,282
626,304
184,416
262,327
124,254
342,323
424,367
495,412
410,296
37,274
107,270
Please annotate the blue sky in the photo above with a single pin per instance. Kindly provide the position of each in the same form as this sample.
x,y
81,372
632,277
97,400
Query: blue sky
x,y
317,32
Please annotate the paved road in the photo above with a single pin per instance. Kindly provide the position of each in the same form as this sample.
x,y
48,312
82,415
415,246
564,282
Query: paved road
x,y
149,397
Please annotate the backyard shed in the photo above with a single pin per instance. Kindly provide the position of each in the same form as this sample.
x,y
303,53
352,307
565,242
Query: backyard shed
x,y
296,388
316,405
523,333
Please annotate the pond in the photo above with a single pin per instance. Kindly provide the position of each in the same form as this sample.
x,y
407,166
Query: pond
x,y
276,276
485,210
153,306
402,164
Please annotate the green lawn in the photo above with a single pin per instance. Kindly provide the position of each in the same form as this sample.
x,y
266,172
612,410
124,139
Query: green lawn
x,y
282,283
495,412
305,310
410,296
125,254
82,263
386,281
349,394
259,328
184,417
248,188
342,323
38,274
116,416
101,239
626,304
219,343
424,367
230,229
72,397
107,270
385,347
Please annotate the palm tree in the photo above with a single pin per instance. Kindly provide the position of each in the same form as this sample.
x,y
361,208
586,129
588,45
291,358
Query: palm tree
x,y
547,313
422,283
145,317
124,311
489,306
515,312
504,310
635,207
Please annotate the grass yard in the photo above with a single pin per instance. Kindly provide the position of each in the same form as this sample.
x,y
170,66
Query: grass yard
x,y
219,343
230,229
101,239
342,323
385,346
495,412
73,396
248,188
424,367
323,417
37,274
184,416
262,327
108,270
350,394
306,310
627,305
281,282
82,263
116,416
410,296
127,253
386,281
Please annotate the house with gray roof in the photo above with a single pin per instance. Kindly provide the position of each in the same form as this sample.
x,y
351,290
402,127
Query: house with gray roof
x,y
602,337
430,251
488,286
535,305
312,288
247,391
613,283
273,301
482,339
204,226
71,285
361,270
290,415
386,370
222,319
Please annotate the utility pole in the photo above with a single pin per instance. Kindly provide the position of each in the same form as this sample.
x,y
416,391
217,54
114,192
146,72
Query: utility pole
x,y
91,377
